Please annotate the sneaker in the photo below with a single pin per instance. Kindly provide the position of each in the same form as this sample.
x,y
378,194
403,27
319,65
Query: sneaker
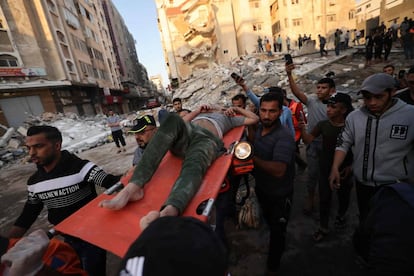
x,y
340,222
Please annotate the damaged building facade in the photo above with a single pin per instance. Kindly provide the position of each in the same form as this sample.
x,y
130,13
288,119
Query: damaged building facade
x,y
66,56
199,34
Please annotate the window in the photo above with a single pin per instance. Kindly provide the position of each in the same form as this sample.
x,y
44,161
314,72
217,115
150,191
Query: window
x,y
71,19
8,61
1,24
286,22
257,27
254,4
98,54
368,6
297,22
69,64
331,17
61,36
359,10
351,15
295,2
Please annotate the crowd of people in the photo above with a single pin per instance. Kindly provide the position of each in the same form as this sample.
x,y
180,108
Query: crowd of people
x,y
370,148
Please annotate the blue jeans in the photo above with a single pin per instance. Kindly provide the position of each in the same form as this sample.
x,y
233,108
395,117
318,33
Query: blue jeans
x,y
198,146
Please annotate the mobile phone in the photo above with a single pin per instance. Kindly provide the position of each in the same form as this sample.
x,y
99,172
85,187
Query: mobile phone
x,y
234,76
288,59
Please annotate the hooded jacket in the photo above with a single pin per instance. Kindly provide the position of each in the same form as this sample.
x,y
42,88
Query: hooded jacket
x,y
383,146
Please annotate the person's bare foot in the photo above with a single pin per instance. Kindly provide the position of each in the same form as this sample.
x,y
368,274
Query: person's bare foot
x,y
150,217
169,210
131,192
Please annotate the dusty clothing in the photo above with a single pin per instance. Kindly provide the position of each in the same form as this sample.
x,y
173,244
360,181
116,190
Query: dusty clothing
x,y
59,257
383,146
198,146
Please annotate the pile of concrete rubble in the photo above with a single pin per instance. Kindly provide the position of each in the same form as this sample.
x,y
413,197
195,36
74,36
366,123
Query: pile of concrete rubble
x,y
215,86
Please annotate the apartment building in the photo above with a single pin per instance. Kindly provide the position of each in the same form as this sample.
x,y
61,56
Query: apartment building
x,y
59,56
199,34
371,13
302,17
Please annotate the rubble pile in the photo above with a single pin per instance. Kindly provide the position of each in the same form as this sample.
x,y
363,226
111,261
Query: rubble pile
x,y
215,86
78,134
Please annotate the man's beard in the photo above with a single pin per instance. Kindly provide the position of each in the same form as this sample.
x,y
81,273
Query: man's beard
x,y
47,160
268,123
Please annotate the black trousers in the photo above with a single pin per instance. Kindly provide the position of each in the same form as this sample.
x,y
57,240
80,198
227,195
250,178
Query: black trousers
x,y
118,137
325,196
276,211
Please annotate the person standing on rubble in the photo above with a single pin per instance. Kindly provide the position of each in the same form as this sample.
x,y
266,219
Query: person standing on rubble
x,y
113,122
64,183
316,112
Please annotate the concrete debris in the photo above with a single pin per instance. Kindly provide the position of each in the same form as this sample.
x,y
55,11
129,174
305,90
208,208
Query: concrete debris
x,y
215,86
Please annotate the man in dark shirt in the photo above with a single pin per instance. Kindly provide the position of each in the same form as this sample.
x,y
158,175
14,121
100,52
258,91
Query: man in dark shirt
x,y
407,95
274,172
64,183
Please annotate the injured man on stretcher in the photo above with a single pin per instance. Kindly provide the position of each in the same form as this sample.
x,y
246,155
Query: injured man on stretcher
x,y
198,139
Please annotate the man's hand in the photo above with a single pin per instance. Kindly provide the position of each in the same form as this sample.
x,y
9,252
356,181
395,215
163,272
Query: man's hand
x,y
289,68
25,258
205,108
240,81
232,111
334,179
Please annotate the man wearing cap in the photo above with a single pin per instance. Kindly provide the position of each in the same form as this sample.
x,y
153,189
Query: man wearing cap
x,y
198,138
339,105
381,134
143,131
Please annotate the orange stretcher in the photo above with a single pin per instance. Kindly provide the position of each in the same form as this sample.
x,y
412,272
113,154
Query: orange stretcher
x,y
116,230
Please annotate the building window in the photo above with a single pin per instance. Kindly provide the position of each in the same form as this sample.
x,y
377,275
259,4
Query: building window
x,y
8,61
257,27
368,6
286,22
69,64
297,22
51,6
1,24
61,36
359,10
71,19
351,14
295,2
331,17
254,4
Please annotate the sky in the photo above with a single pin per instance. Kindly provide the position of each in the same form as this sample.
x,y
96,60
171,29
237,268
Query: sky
x,y
140,17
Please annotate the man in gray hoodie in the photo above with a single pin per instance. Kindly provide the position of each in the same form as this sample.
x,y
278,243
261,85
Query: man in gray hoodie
x,y
381,135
